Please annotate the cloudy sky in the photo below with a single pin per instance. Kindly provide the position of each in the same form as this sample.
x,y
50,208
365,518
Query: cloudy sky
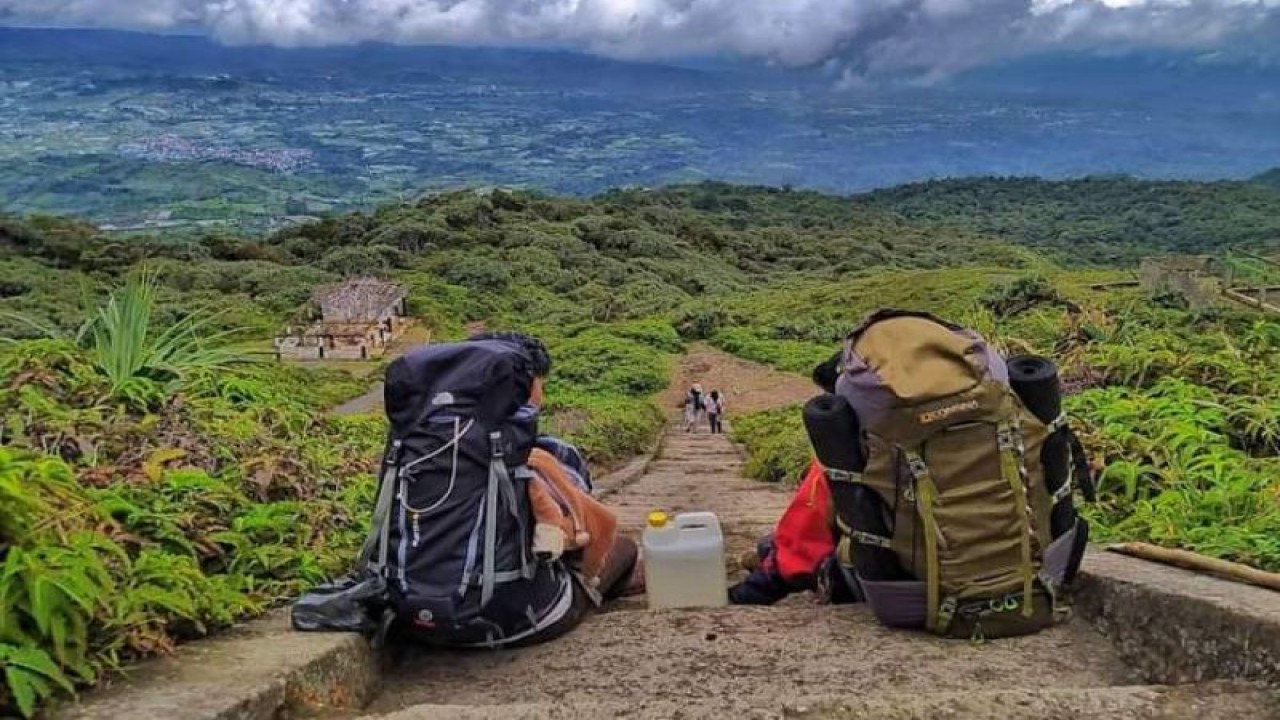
x,y
863,36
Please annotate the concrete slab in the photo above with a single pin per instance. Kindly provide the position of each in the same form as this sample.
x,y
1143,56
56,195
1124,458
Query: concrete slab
x,y
741,658
253,672
1140,702
1177,626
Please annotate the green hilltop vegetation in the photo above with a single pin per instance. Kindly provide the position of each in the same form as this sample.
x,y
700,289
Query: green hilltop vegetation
x,y
160,477
1095,220
1270,178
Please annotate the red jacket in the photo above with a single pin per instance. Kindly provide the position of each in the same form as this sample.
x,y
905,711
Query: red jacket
x,y
803,537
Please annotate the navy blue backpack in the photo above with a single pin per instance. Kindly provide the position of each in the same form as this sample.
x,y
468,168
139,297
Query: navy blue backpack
x,y
449,556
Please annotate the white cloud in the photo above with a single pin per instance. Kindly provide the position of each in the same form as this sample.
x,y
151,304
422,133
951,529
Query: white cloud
x,y
921,36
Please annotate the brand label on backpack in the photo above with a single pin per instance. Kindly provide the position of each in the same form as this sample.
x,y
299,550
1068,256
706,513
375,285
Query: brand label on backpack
x,y
444,398
943,413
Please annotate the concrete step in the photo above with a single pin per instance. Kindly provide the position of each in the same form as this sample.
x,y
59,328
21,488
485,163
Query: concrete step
x,y
1218,701
696,466
740,658
698,438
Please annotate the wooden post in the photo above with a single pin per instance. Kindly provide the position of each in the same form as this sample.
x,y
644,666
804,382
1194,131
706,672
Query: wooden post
x,y
1199,563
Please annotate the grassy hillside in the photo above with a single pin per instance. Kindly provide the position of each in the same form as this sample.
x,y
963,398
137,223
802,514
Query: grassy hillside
x,y
1103,220
148,497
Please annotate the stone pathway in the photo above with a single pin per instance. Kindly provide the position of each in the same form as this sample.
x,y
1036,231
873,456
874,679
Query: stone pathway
x,y
700,471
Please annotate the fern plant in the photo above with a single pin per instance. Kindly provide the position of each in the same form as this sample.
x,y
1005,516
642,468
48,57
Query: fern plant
x,y
31,677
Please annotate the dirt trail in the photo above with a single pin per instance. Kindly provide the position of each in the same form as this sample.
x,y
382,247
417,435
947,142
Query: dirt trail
x,y
747,386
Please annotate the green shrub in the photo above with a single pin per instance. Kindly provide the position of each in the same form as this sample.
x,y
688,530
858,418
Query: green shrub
x,y
125,528
653,333
607,429
794,355
598,361
1012,297
778,448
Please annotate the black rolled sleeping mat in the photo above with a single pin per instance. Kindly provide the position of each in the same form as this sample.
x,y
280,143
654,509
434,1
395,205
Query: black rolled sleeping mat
x,y
836,437
1035,380
834,433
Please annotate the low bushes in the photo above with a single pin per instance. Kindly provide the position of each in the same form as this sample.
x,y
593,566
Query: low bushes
x,y
128,527
603,379
777,445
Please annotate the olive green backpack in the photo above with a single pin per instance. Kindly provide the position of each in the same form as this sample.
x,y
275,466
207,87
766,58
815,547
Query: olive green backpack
x,y
960,498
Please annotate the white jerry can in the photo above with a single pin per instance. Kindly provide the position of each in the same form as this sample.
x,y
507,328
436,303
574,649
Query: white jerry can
x,y
684,561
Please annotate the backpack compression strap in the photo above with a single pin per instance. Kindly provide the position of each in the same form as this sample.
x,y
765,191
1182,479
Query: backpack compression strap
x,y
501,490
1011,451
1081,473
373,553
939,614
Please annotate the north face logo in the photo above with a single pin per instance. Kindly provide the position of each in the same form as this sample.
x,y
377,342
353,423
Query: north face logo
x,y
943,413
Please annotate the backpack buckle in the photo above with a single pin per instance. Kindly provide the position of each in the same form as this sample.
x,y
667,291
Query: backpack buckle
x,y
946,611
1007,438
918,468
392,457
836,475
866,538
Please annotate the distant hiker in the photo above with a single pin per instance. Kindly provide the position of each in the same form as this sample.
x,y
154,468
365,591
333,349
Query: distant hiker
x,y
715,411
695,406
482,536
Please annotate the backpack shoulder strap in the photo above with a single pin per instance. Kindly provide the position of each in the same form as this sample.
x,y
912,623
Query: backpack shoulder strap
x,y
1081,474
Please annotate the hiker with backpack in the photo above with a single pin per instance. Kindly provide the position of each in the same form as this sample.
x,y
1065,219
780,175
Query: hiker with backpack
x,y
951,473
695,406
715,411
482,536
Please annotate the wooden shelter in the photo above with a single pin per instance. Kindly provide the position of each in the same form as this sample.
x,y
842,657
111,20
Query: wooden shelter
x,y
1192,277
357,319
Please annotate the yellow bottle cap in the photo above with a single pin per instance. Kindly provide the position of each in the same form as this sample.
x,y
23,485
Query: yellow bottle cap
x,y
657,519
